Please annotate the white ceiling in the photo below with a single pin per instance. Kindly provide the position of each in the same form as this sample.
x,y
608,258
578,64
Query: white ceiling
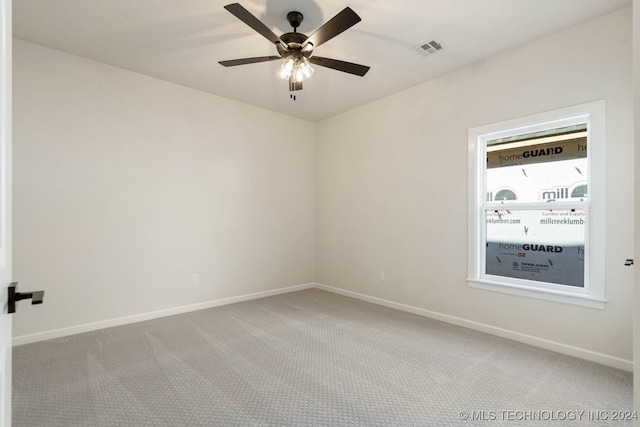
x,y
182,41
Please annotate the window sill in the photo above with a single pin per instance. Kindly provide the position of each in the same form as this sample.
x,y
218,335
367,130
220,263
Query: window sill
x,y
538,293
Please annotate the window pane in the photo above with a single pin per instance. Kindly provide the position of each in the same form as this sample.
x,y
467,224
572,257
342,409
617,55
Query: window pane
x,y
532,171
542,182
540,245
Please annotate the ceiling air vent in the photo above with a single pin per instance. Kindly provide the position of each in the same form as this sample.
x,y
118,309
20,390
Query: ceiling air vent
x,y
428,48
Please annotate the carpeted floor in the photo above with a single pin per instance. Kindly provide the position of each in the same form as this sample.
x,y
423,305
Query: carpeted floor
x,y
308,358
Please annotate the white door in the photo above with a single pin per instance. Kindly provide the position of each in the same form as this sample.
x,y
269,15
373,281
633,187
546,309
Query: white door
x,y
5,211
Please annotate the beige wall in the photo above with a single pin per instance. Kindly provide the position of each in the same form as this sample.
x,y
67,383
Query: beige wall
x,y
126,185
392,185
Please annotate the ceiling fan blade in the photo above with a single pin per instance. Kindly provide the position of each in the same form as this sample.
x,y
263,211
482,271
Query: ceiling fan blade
x,y
245,16
339,23
347,67
243,61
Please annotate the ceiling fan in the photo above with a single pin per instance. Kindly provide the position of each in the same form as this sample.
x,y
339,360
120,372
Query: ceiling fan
x,y
296,49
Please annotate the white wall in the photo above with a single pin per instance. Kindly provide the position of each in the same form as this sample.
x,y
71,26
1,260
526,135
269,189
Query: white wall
x,y
392,185
636,138
126,185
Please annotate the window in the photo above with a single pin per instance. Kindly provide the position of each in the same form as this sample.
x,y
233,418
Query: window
x,y
536,206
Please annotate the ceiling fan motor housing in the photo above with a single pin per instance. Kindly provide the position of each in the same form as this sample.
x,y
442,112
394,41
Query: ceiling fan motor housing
x,y
294,43
295,39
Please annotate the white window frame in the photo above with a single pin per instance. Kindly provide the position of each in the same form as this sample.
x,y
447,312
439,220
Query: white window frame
x,y
593,293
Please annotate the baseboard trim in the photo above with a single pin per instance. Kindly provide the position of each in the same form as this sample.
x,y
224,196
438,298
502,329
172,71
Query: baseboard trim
x,y
580,353
88,327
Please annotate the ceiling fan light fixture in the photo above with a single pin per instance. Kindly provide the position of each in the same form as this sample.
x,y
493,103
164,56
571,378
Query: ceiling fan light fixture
x,y
296,69
287,67
303,71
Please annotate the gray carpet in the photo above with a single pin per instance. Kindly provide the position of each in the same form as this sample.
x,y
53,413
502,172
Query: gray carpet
x,y
309,358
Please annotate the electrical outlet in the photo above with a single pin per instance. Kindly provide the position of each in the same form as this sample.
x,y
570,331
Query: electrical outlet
x,y
195,278
382,275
